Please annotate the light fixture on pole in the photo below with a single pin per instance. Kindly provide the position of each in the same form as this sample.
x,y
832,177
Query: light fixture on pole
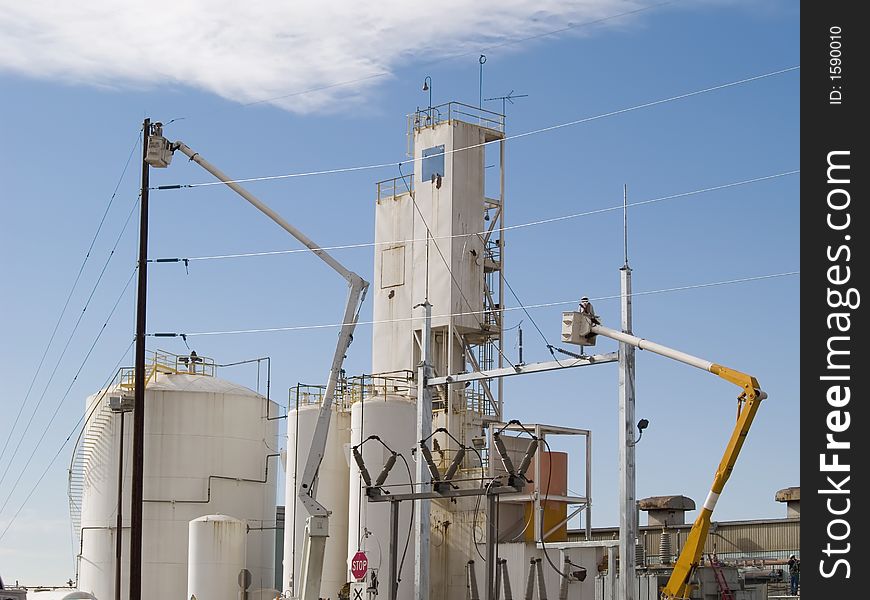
x,y
427,87
641,425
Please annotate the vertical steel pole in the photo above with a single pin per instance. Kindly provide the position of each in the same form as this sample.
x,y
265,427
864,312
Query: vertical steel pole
x,y
627,484
588,485
502,152
422,507
491,541
119,527
139,385
394,550
610,580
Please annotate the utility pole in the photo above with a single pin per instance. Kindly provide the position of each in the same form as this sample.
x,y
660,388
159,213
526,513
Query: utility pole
x,y
139,384
422,507
627,483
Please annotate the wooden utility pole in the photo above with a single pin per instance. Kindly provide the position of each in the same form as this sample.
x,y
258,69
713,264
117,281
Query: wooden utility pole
x,y
139,384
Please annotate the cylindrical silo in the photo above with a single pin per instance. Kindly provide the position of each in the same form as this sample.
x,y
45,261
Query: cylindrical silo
x,y
209,449
394,420
216,556
332,478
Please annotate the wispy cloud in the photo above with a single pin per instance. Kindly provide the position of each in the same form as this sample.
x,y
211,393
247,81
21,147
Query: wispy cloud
x,y
267,49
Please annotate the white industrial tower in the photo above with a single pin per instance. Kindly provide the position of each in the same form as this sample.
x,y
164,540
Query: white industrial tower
x,y
439,241
439,238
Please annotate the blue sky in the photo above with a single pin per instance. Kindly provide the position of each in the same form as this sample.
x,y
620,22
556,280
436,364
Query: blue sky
x,y
72,114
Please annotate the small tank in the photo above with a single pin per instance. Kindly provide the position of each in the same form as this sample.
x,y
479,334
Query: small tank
x,y
216,558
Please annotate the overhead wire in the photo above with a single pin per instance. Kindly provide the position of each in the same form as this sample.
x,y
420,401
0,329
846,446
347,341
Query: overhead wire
x,y
68,389
572,123
66,346
495,230
62,446
532,319
547,343
504,309
70,295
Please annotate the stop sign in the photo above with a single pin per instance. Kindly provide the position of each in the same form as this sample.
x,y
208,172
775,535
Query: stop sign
x,y
359,565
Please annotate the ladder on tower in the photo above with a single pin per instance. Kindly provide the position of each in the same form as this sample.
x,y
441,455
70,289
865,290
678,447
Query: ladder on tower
x,y
724,591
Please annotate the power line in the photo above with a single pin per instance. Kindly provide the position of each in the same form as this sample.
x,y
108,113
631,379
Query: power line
x,y
499,229
69,296
62,446
482,144
517,298
61,401
68,341
506,309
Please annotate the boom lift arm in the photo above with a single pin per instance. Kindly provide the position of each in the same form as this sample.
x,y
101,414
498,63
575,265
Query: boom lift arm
x,y
317,525
581,328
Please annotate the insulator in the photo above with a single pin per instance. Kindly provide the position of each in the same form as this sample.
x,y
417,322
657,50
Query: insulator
x,y
382,477
454,466
433,468
502,452
527,458
665,547
357,456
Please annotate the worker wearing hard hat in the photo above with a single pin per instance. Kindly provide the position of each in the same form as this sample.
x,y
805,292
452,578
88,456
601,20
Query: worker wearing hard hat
x,y
586,308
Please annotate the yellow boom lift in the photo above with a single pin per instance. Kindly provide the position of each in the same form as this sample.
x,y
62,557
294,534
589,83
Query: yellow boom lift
x,y
580,328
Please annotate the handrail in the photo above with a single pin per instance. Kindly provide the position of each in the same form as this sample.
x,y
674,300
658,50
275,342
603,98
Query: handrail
x,y
455,111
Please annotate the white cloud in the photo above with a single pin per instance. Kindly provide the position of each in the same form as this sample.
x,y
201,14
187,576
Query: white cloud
x,y
260,49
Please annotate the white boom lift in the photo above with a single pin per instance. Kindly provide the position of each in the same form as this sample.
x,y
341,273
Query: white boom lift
x,y
317,524
581,328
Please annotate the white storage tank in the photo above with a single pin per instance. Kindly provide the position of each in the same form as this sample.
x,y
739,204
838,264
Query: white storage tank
x,y
216,557
332,491
394,420
209,448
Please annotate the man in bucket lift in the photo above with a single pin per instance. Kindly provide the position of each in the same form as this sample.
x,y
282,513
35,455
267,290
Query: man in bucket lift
x,y
586,309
